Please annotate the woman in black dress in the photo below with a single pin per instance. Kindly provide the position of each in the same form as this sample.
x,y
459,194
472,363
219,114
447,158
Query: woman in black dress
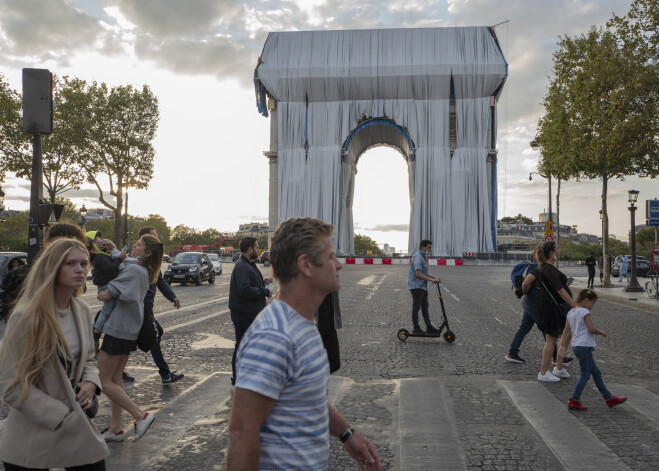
x,y
553,292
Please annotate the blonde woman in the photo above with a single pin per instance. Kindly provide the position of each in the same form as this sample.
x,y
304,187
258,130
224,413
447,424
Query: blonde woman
x,y
48,349
121,331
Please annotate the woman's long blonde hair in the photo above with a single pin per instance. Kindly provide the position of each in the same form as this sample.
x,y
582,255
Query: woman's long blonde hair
x,y
33,337
152,258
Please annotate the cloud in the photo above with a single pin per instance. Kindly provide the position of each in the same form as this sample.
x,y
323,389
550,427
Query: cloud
x,y
389,228
48,30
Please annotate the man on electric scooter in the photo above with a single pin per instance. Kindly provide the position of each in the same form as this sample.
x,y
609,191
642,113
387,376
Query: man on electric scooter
x,y
417,283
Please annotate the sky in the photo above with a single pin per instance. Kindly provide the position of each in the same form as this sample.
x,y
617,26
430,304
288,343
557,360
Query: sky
x,y
198,57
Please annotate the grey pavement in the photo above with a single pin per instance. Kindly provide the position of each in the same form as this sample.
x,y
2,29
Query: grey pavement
x,y
424,403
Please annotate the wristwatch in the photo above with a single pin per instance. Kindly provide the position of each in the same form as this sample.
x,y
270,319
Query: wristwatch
x,y
347,434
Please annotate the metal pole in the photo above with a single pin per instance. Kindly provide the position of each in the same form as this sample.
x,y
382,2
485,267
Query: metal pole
x,y
633,284
35,233
126,216
550,215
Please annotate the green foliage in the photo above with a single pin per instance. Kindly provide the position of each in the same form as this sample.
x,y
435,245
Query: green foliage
x,y
519,217
364,243
13,232
263,241
160,225
645,241
185,235
13,141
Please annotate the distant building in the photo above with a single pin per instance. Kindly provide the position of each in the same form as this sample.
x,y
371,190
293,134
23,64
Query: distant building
x,y
99,214
253,229
520,233
388,250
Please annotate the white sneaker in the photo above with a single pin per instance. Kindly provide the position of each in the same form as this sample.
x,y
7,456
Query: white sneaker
x,y
548,377
142,426
113,437
562,373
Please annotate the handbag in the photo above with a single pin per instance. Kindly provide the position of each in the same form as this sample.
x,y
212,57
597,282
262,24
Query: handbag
x,y
150,332
563,308
93,408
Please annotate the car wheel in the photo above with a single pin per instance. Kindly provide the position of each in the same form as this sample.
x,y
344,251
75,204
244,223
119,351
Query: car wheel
x,y
266,263
211,278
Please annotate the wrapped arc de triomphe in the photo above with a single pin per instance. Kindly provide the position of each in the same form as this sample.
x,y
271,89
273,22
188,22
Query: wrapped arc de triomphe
x,y
430,93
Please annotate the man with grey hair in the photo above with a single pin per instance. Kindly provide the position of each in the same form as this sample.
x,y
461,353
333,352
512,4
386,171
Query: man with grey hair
x,y
281,417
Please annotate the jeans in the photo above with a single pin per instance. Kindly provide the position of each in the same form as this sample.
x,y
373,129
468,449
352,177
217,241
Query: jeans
x,y
530,317
591,278
156,352
106,310
240,327
588,368
420,301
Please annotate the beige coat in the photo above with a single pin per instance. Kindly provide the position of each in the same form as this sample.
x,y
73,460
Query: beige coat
x,y
36,433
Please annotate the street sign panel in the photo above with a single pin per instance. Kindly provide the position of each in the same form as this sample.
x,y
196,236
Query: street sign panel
x,y
549,238
652,209
652,222
548,223
549,232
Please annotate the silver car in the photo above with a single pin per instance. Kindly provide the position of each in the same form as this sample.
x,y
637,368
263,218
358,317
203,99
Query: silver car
x,y
217,263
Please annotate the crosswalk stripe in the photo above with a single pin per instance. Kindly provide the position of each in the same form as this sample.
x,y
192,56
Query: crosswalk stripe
x,y
195,404
335,385
428,433
645,402
575,446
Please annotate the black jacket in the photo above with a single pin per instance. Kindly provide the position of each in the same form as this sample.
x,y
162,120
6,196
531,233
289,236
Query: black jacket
x,y
105,268
247,292
164,288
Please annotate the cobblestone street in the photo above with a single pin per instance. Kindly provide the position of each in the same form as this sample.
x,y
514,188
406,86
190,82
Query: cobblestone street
x,y
464,395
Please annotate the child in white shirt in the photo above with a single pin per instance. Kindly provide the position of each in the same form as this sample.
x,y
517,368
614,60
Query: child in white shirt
x,y
580,325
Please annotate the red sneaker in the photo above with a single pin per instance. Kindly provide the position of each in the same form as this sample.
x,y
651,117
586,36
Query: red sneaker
x,y
615,400
572,404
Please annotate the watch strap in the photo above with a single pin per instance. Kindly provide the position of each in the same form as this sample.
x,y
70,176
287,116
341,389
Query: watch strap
x,y
346,434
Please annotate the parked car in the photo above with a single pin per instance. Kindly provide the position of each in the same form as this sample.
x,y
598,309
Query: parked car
x,y
217,263
6,258
190,267
235,257
264,258
166,258
642,268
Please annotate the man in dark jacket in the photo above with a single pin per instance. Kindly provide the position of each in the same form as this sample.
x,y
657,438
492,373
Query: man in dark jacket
x,y
247,293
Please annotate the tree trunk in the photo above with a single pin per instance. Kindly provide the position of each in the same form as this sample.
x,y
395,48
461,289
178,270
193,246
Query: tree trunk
x,y
117,212
605,233
558,212
126,216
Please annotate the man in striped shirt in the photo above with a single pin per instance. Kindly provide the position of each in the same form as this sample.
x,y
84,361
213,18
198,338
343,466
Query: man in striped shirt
x,y
280,417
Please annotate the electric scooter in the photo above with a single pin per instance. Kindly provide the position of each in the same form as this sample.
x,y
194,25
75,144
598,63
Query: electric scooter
x,y
449,336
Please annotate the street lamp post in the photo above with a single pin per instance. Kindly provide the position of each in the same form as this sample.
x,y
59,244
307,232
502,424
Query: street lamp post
x,y
83,214
633,285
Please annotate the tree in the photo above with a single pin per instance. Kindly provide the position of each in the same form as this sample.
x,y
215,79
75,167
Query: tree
x,y
645,241
596,108
160,225
61,171
518,218
118,142
13,232
364,243
13,141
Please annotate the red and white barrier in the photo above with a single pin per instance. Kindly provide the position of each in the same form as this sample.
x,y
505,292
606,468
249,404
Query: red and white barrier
x,y
450,262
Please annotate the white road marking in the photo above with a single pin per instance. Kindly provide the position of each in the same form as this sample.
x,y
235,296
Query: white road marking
x,y
192,306
455,297
367,280
499,321
446,289
195,321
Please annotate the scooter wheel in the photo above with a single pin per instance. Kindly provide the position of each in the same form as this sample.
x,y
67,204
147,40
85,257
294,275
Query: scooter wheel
x,y
403,334
449,336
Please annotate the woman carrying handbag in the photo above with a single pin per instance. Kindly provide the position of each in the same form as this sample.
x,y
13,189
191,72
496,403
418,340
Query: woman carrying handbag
x,y
47,351
555,301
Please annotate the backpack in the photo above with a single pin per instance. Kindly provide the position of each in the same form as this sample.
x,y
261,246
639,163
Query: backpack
x,y
518,274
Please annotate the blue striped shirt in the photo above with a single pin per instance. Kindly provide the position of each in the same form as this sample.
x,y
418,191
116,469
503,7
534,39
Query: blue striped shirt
x,y
282,357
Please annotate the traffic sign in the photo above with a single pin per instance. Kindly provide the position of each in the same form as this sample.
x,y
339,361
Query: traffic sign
x,y
548,223
549,232
549,238
651,209
652,222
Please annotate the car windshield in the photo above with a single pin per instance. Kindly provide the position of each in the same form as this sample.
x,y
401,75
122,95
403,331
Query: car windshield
x,y
187,258
214,257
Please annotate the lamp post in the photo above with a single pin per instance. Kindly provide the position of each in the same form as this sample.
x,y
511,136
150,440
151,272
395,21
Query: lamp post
x,y
548,177
633,285
83,214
